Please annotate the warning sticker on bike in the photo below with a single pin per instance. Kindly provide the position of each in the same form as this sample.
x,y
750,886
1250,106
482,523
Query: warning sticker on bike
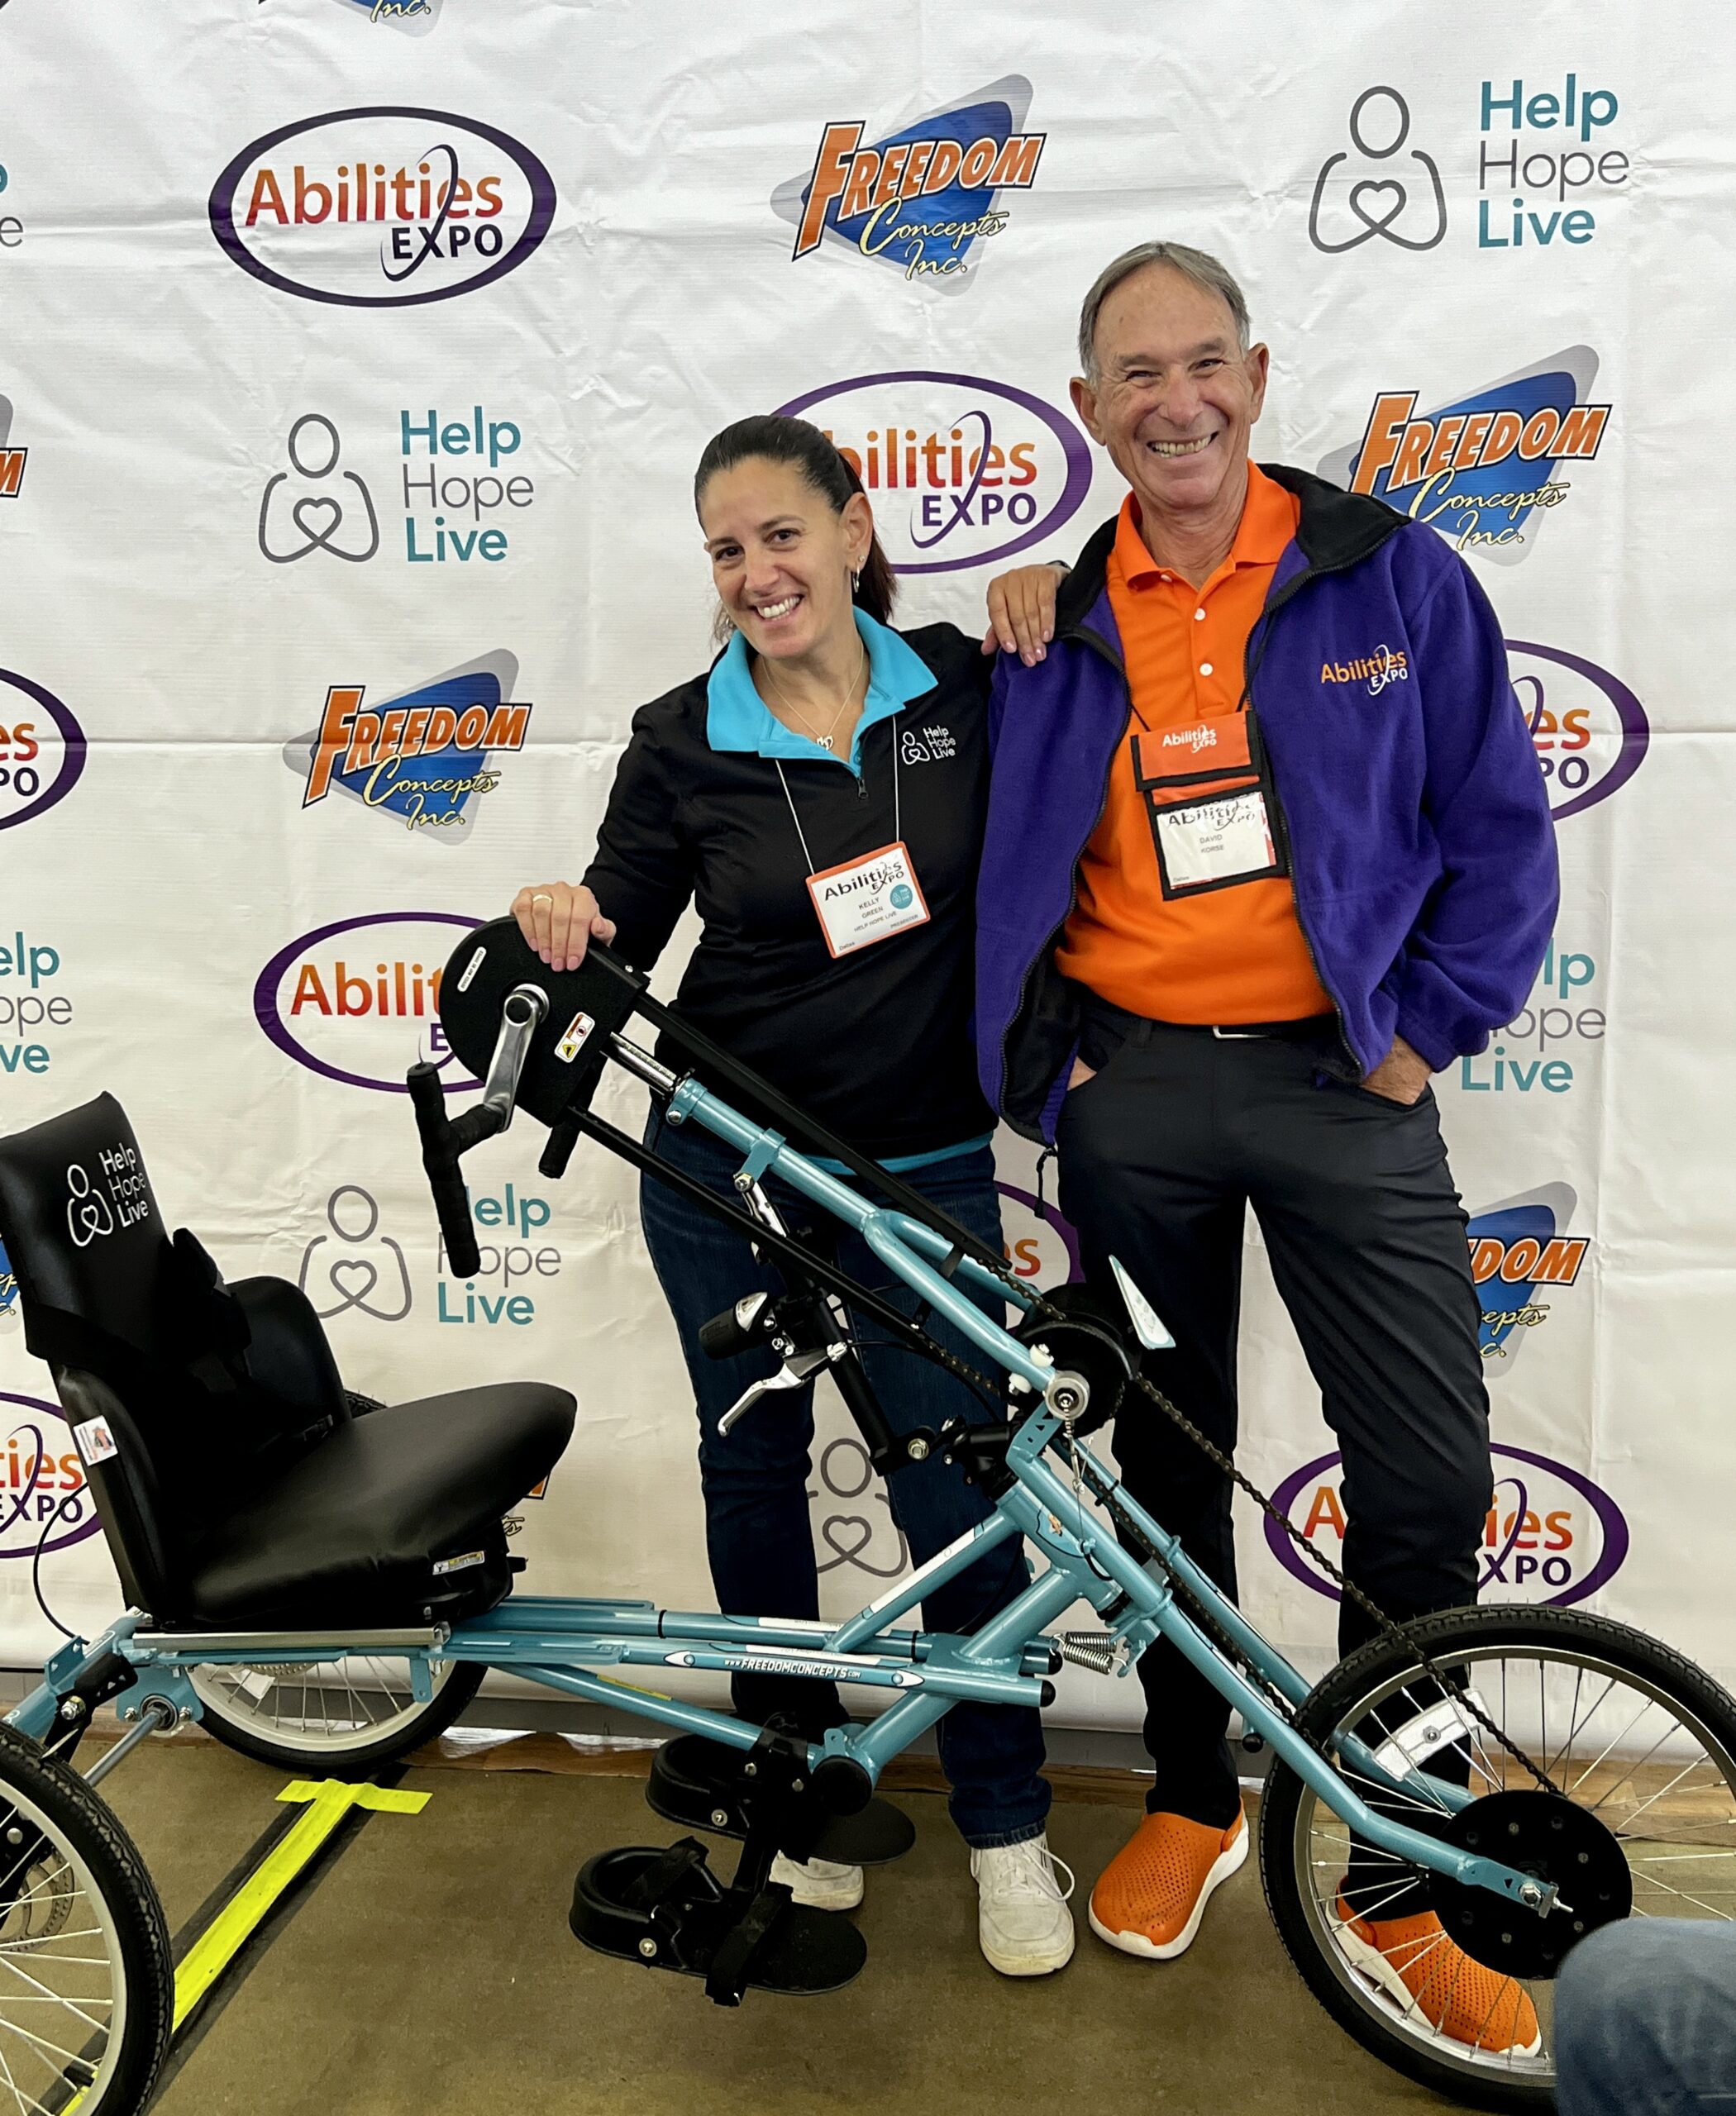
x,y
96,1443
578,1035
445,1564
471,968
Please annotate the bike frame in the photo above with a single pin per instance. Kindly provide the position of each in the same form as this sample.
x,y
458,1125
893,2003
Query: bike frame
x,y
561,1643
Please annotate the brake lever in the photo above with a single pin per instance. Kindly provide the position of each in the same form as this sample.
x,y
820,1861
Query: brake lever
x,y
798,1371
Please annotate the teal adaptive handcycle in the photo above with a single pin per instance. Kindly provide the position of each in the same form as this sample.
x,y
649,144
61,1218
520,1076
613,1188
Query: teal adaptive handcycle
x,y
322,1580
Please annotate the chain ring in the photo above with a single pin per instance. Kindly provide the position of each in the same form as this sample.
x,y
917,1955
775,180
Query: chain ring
x,y
1548,1837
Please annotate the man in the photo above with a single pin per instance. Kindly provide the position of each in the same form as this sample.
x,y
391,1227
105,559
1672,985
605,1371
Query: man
x,y
1267,845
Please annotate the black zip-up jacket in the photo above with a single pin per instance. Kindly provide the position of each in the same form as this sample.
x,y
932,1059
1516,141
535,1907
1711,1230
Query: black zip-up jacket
x,y
875,1044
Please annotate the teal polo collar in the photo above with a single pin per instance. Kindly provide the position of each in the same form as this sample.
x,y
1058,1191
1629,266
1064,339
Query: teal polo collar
x,y
737,717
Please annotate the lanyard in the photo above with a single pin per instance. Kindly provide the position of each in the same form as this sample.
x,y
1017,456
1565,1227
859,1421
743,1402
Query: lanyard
x,y
897,818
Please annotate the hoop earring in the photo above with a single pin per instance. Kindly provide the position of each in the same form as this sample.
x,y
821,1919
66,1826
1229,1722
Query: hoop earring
x,y
856,578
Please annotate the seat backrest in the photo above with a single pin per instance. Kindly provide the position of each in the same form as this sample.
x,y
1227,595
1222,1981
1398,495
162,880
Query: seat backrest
x,y
157,1363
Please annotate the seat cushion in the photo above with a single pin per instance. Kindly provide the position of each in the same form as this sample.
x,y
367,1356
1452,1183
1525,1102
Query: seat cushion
x,y
352,1533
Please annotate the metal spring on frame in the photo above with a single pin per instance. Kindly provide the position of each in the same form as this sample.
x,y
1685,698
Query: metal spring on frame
x,y
1096,1650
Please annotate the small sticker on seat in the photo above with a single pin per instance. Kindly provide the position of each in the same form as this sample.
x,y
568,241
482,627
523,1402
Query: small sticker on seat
x,y
471,968
445,1564
96,1443
578,1035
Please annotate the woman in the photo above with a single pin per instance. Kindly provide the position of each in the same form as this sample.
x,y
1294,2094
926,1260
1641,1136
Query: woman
x,y
821,738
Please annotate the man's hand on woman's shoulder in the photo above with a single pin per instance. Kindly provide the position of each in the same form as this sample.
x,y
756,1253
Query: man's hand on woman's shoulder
x,y
1022,612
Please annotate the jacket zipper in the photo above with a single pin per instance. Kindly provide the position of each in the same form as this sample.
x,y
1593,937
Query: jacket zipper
x,y
1250,669
1096,642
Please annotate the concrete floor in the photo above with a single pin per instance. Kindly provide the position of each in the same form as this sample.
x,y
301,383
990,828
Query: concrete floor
x,y
431,1971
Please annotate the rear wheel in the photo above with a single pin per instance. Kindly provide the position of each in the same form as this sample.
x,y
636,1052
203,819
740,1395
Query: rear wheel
x,y
330,1718
86,1980
1634,1736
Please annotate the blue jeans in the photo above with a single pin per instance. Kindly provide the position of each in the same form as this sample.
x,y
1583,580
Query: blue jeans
x,y
1645,2020
758,1533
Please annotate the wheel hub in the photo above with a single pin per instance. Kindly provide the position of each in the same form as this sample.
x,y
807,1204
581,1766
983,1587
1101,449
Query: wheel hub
x,y
1557,1843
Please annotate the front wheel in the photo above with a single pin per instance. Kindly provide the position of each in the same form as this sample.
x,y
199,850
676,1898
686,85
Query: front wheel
x,y
1631,1733
330,1718
87,1978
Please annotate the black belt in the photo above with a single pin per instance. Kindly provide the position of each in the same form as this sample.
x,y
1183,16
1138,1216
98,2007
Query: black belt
x,y
1316,1029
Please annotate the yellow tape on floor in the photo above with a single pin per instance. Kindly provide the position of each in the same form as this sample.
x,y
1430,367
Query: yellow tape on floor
x,y
328,1803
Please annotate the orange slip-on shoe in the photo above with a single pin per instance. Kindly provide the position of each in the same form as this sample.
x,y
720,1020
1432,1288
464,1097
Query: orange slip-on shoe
x,y
1431,1977
1150,1898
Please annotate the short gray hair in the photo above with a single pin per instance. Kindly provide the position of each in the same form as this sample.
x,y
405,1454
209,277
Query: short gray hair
x,y
1195,264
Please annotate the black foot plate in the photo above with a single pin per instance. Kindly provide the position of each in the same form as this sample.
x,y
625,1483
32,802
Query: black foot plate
x,y
701,1784
801,1952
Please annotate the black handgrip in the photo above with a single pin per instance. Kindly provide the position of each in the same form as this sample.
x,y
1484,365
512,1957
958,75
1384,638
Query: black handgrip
x,y
724,1336
563,1137
440,1159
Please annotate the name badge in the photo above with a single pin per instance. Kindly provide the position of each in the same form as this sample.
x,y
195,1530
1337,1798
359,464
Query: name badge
x,y
1209,844
869,899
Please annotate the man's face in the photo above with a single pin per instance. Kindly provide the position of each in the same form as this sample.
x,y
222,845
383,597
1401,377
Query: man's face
x,y
1175,400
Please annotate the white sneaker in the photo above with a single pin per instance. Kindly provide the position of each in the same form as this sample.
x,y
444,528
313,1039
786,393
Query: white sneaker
x,y
821,1884
1023,1920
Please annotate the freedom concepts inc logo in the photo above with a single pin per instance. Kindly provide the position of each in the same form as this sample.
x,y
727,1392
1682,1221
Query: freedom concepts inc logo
x,y
1551,1534
422,758
382,206
41,749
42,1477
962,471
922,198
359,1000
1521,1255
1479,468
11,460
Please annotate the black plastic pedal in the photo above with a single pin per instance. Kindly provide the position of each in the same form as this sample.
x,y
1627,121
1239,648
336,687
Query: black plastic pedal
x,y
664,1909
705,1784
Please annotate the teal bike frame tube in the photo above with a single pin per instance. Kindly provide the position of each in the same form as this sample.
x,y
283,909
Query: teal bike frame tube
x,y
876,1224
649,1705
871,1622
1003,1638
963,1315
936,1245
1154,1598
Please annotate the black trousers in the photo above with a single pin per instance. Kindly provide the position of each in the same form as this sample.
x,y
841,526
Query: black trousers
x,y
1160,1156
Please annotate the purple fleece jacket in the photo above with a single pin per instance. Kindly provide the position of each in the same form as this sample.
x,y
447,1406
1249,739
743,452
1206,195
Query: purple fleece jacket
x,y
1422,851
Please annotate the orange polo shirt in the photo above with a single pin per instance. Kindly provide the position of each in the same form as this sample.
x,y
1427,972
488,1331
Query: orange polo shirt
x,y
1227,954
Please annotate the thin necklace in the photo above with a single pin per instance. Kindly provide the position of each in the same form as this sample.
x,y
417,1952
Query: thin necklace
x,y
824,740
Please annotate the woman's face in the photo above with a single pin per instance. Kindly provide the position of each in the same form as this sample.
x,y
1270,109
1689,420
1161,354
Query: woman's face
x,y
781,559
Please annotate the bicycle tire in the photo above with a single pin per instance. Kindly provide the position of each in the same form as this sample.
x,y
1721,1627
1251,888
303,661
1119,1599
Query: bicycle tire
x,y
1340,1696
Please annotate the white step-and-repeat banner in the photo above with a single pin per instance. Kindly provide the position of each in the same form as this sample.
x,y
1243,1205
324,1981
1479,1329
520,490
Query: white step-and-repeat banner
x,y
355,359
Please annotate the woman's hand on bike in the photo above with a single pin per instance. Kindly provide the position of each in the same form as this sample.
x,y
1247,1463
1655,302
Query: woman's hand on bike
x,y
1022,612
559,920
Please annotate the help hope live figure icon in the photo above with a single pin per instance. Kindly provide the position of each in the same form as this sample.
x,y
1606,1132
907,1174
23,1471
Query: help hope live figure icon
x,y
1267,845
820,794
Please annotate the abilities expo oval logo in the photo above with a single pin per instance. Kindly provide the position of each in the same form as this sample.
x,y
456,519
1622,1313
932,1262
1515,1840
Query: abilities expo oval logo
x,y
1550,1535
1589,729
359,1000
41,1480
382,206
42,750
961,471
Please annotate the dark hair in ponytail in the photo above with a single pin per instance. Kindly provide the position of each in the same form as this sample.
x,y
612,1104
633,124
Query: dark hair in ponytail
x,y
772,438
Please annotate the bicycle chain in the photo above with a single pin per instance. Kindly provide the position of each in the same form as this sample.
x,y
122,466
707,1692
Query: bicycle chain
x,y
1043,1312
